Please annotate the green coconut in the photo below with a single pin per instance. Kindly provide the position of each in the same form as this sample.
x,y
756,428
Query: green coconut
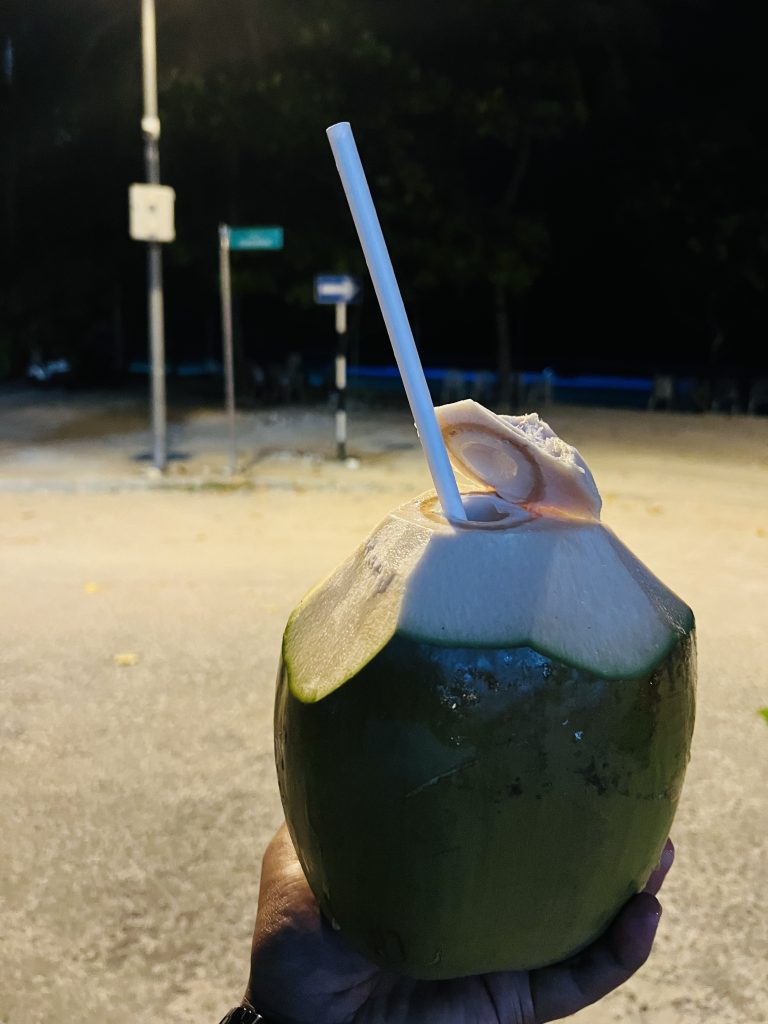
x,y
481,730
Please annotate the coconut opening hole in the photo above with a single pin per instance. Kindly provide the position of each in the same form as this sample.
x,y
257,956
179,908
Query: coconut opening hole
x,y
484,508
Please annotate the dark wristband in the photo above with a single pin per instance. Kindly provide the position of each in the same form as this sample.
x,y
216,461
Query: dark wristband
x,y
244,1015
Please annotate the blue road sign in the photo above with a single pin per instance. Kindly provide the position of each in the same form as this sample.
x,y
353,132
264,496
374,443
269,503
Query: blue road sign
x,y
331,289
255,238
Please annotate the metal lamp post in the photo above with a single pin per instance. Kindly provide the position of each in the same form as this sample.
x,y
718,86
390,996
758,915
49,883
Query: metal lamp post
x,y
150,127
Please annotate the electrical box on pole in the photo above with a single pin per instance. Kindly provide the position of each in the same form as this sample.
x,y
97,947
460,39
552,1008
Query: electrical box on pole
x,y
151,209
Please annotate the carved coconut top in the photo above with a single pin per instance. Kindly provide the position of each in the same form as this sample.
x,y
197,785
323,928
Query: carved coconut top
x,y
520,458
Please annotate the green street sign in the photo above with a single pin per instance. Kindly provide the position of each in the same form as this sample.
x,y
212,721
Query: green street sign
x,y
255,238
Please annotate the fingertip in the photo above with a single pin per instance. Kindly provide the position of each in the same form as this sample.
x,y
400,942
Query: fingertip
x,y
647,905
659,873
634,930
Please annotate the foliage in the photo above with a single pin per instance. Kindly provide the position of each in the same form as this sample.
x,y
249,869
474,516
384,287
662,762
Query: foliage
x,y
593,162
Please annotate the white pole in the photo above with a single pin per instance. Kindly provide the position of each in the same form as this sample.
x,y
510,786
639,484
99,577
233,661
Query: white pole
x,y
150,127
149,67
225,288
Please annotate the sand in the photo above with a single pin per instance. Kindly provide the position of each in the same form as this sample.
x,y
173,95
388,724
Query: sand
x,y
141,623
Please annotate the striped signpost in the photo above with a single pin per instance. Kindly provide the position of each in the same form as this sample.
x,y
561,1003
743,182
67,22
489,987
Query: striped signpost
x,y
339,290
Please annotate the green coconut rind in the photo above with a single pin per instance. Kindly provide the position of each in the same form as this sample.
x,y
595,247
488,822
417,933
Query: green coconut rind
x,y
570,590
636,672
348,618
459,811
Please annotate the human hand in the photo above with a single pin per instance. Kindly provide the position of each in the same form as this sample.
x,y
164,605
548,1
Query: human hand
x,y
303,971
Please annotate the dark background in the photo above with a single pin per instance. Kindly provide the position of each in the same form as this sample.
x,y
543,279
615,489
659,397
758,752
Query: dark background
x,y
568,183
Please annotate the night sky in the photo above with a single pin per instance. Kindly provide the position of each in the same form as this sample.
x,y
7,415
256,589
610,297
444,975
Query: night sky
x,y
579,185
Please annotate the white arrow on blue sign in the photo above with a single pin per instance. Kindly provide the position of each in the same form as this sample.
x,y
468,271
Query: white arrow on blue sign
x,y
331,289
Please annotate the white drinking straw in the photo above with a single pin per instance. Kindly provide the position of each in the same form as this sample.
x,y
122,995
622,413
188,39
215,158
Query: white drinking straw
x,y
391,302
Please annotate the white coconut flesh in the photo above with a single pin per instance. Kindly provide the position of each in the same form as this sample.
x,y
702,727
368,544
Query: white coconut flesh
x,y
534,567
520,458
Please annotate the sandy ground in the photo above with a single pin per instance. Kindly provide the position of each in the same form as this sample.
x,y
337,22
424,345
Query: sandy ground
x,y
136,797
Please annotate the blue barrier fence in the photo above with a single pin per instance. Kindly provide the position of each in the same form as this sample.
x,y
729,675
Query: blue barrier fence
x,y
528,379
448,384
